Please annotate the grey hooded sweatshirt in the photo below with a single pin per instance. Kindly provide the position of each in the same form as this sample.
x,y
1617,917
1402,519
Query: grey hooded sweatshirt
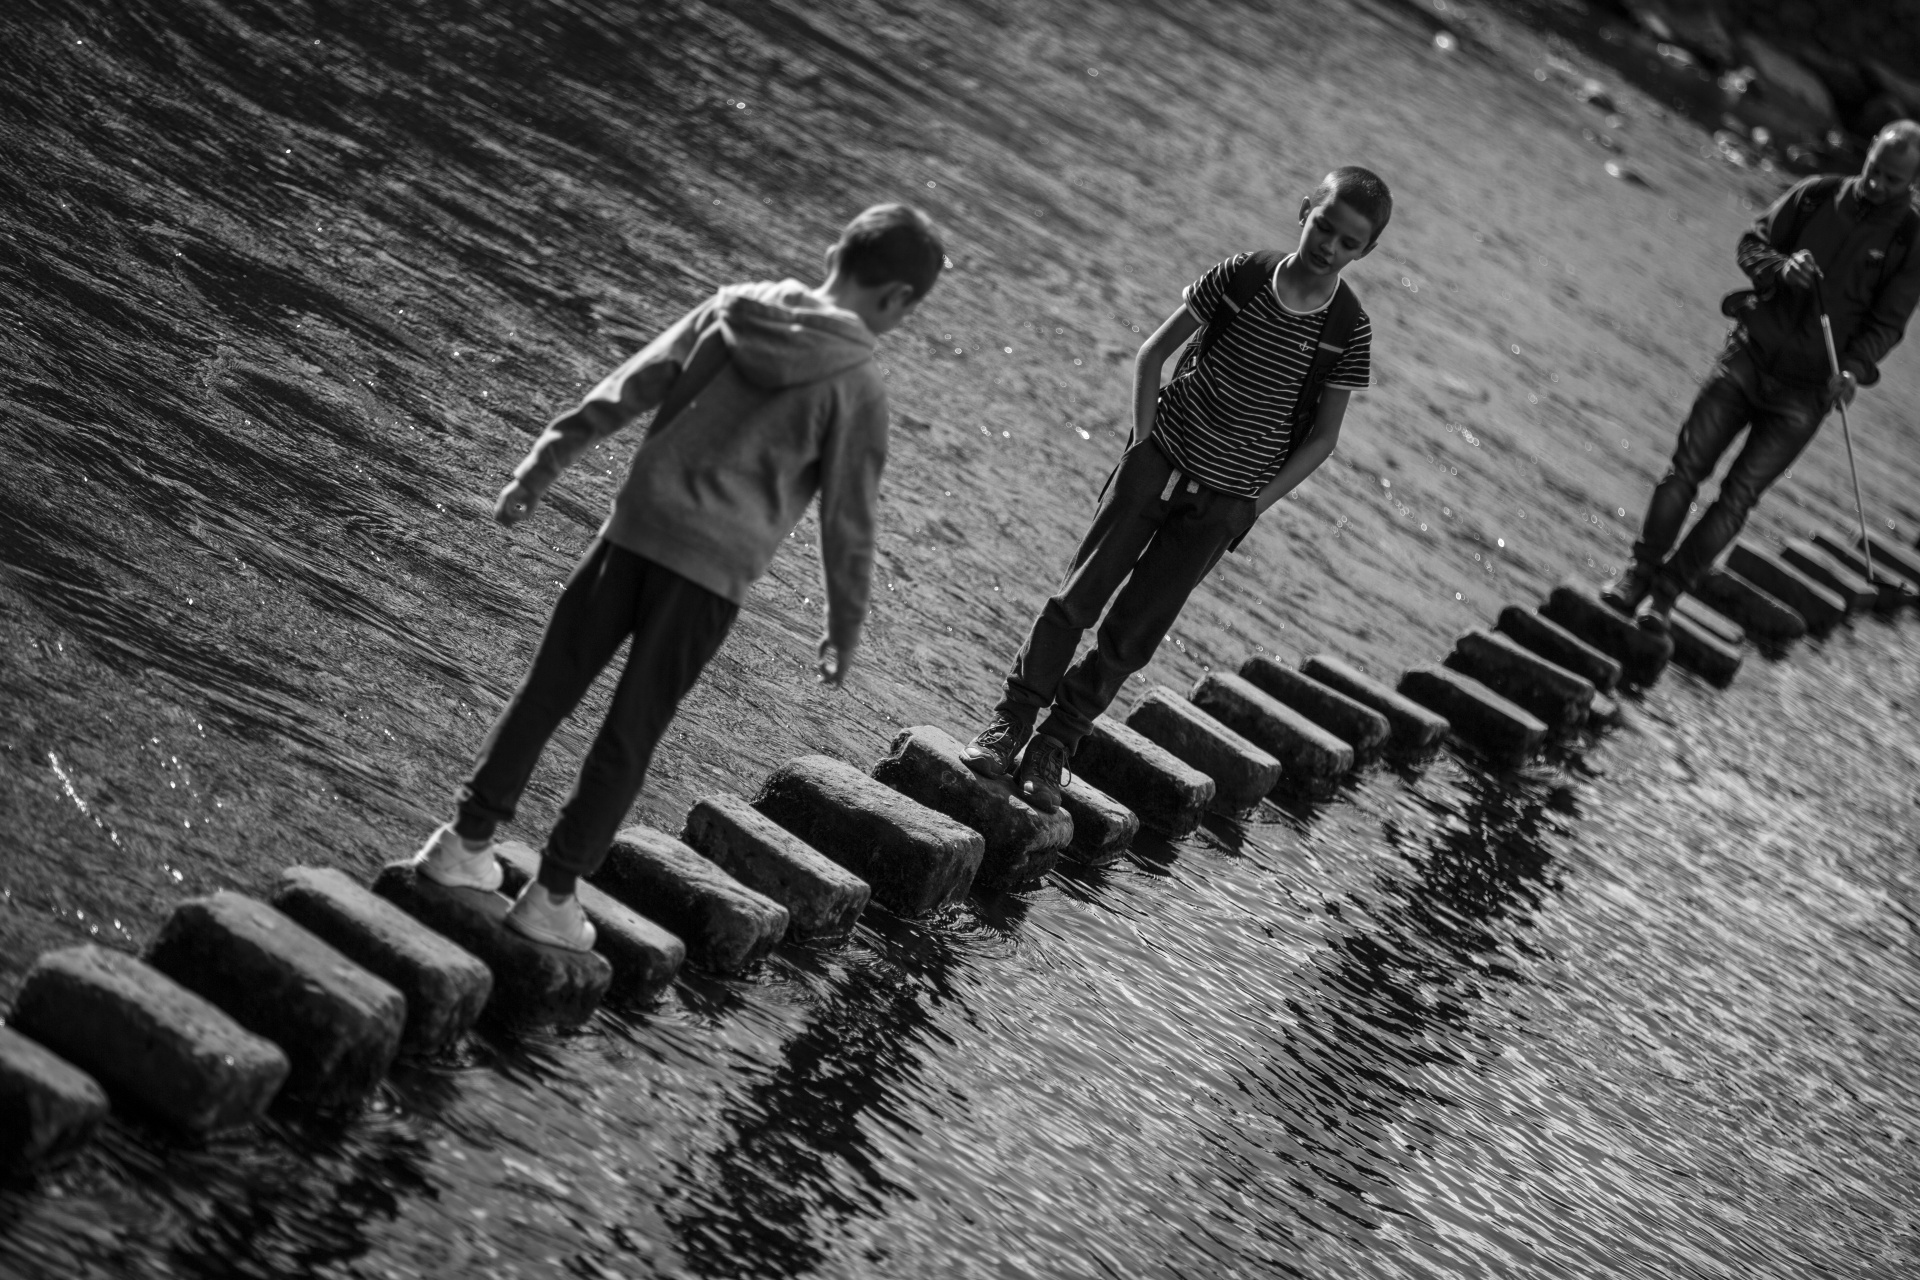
x,y
795,409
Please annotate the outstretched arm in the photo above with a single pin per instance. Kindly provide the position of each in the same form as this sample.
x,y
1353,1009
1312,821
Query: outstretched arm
x,y
1148,365
1317,448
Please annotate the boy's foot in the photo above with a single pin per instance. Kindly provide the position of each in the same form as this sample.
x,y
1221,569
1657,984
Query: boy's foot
x,y
992,751
558,922
1040,772
1626,592
448,860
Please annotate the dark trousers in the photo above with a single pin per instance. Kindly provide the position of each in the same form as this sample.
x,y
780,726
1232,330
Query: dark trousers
x,y
676,627
1159,531
1780,418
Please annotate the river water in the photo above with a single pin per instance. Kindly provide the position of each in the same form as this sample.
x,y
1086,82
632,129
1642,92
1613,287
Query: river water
x,y
288,287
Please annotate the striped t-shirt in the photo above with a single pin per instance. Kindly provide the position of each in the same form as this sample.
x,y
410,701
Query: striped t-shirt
x,y
1229,425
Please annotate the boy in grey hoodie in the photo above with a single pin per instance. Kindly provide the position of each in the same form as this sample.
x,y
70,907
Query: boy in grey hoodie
x,y
764,395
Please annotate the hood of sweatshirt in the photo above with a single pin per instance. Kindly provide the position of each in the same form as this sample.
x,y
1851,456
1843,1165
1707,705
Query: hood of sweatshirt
x,y
781,335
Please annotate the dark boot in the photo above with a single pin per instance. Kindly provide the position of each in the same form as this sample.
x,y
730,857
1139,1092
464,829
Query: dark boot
x,y
992,751
1040,772
1625,592
1656,615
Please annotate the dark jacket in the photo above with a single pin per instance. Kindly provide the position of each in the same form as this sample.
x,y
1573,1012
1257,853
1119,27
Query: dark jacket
x,y
1870,283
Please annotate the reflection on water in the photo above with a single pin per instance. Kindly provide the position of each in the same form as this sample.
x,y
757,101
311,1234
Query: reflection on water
x,y
285,289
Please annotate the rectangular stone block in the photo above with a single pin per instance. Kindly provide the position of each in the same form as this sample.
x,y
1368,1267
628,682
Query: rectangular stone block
x,y
533,984
1896,588
645,957
1643,655
1103,828
1530,629
149,1040
1415,728
1702,652
1556,695
1899,555
445,985
48,1106
1822,609
338,1024
1022,844
1242,773
1312,759
1352,721
914,858
1167,793
725,925
822,898
1710,620
1481,718
1759,612
1855,590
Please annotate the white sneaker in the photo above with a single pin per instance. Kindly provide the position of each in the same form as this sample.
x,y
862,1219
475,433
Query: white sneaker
x,y
445,859
558,922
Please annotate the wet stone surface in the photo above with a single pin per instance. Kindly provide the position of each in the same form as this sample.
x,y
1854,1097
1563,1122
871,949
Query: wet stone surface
x,y
1897,589
914,858
1480,718
1312,759
338,1024
1697,648
1642,654
1821,608
1415,728
725,925
445,985
1354,722
823,899
1022,844
48,1106
645,957
533,985
1757,610
169,1052
1556,695
1242,773
1809,559
1167,793
1533,630
1103,828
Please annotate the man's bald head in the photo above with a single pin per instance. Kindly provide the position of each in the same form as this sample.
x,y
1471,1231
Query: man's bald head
x,y
1892,162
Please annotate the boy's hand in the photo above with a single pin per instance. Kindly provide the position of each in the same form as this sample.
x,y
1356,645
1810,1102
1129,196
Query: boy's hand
x,y
832,667
1800,270
515,503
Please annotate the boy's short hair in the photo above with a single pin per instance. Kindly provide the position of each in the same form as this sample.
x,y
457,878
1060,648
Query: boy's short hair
x,y
893,242
1360,190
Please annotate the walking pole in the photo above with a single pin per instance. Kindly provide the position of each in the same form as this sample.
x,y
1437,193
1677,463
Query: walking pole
x,y
1846,433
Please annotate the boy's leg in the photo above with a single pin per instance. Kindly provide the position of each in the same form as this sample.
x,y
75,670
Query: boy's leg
x,y
591,618
1122,527
1185,548
677,627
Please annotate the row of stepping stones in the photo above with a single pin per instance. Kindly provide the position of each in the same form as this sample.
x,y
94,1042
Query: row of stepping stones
x,y
309,997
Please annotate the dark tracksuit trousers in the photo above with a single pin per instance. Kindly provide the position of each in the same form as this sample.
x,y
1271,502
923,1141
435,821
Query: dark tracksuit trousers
x,y
612,594
1780,418
1161,533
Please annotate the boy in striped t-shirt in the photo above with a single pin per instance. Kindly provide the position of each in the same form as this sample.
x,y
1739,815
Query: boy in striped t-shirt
x,y
1254,406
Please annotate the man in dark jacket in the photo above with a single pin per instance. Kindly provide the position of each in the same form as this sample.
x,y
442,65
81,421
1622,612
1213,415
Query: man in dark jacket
x,y
1847,241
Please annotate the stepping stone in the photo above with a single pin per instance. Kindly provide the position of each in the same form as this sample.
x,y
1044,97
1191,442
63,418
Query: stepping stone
x,y
1556,695
1886,551
1414,728
533,984
1167,793
1480,717
1843,582
148,1039
338,1024
1822,609
1701,651
445,986
1312,759
822,898
1896,588
1242,773
1022,844
644,956
1605,712
1642,654
725,925
1711,620
1103,828
914,858
1530,629
1352,721
48,1106
1760,613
